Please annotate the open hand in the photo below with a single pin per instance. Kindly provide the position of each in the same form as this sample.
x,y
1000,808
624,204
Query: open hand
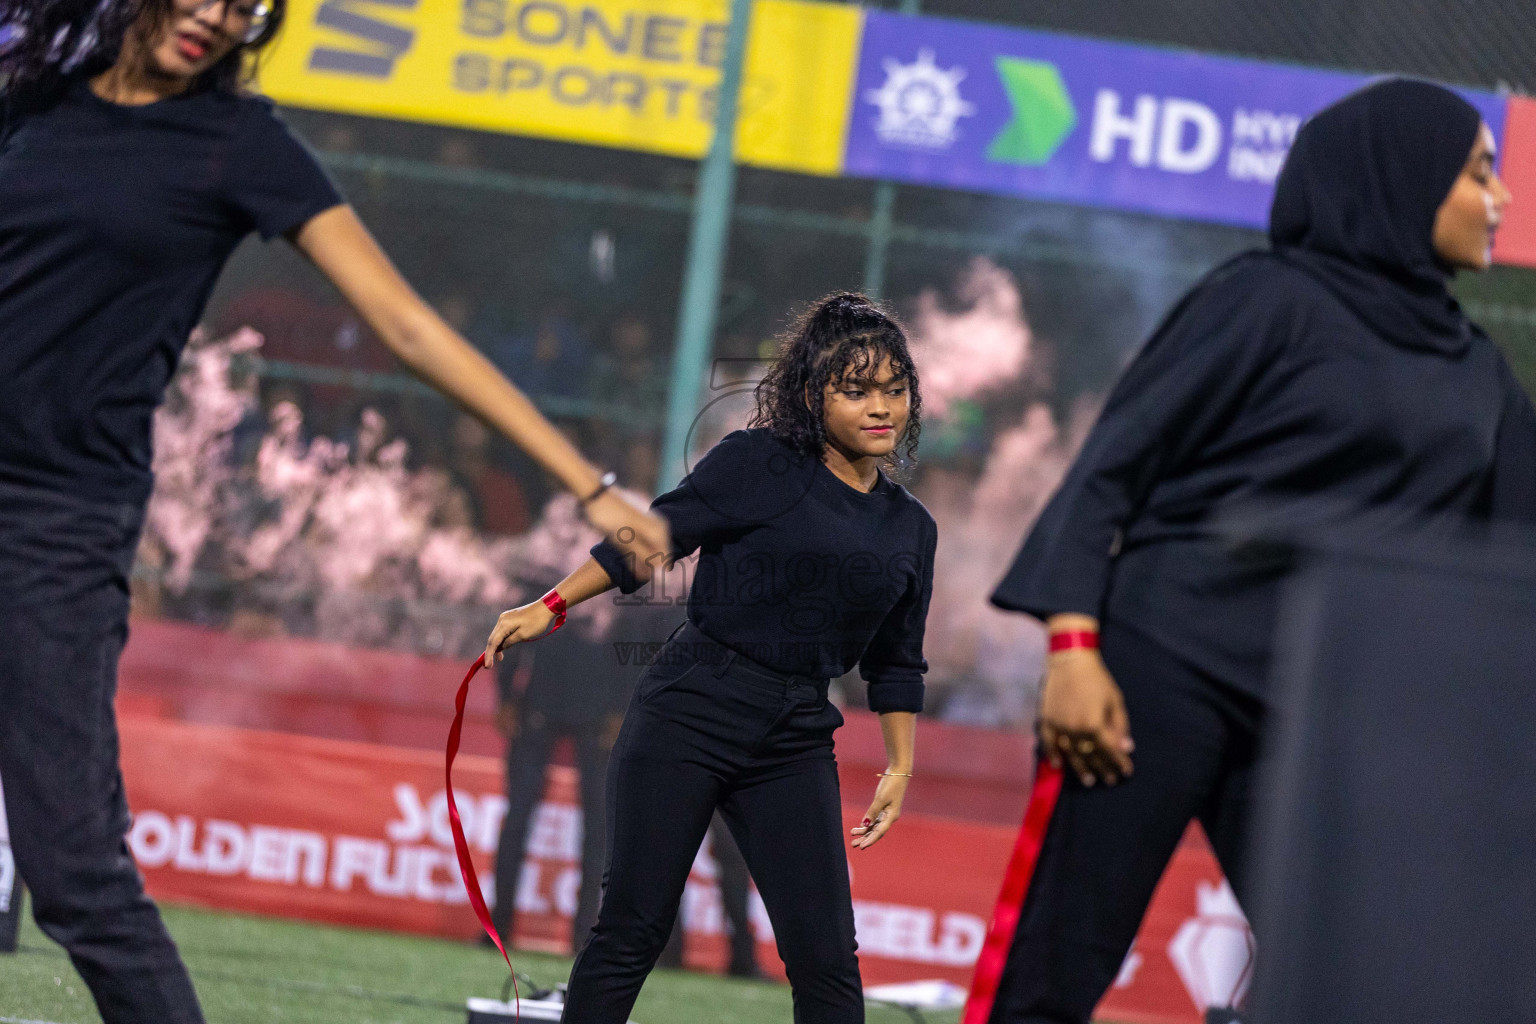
x,y
882,814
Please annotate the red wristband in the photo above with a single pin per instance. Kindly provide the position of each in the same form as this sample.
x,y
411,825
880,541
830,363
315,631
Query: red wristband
x,y
1072,639
555,603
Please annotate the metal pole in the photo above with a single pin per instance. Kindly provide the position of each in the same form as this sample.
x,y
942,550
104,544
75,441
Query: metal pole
x,y
882,213
708,238
880,219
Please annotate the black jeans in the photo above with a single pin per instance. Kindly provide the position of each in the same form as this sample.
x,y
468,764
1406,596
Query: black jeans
x,y
65,805
527,757
1106,847
708,728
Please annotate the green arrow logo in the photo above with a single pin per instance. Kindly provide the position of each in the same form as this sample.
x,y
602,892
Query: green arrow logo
x,y
1043,114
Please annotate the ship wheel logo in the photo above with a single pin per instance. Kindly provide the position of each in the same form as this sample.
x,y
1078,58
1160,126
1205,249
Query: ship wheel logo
x,y
919,103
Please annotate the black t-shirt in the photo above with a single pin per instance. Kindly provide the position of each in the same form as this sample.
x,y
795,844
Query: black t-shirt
x,y
115,222
799,571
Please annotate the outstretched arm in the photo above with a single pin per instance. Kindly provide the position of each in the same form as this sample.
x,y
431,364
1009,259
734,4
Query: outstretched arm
x,y
341,247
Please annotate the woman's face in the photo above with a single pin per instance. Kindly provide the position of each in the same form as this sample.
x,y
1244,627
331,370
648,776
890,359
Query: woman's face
x,y
194,35
867,418
1467,220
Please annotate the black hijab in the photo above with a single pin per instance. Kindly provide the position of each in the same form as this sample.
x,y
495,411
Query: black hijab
x,y
1356,201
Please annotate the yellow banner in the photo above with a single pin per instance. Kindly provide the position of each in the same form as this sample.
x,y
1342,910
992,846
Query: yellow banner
x,y
632,74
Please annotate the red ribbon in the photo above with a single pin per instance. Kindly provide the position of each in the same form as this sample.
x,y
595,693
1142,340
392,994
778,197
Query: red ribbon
x,y
555,603
1010,901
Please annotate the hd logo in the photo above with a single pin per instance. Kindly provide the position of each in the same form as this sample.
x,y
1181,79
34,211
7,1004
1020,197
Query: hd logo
x,y
377,44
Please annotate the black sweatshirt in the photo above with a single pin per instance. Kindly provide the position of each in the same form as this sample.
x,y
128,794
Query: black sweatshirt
x,y
1261,393
1330,382
799,571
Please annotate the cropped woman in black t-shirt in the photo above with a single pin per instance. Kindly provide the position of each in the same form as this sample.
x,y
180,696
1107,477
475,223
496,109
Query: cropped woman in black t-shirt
x,y
131,165
811,561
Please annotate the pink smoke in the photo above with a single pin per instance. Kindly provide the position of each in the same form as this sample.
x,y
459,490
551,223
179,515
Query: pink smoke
x,y
983,347
964,354
193,446
380,552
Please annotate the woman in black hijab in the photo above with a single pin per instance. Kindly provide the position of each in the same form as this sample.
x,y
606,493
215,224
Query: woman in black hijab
x,y
1332,371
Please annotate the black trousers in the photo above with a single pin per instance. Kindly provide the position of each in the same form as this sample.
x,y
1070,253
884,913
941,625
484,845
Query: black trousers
x,y
735,891
1106,847
65,805
735,894
527,757
707,728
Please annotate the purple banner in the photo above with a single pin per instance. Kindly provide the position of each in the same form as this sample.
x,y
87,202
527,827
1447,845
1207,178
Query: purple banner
x,y
964,105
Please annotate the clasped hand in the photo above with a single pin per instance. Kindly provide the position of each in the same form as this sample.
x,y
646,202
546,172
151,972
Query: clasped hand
x,y
1083,724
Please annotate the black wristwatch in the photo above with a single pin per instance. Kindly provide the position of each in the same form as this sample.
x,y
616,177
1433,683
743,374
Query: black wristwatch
x,y
607,480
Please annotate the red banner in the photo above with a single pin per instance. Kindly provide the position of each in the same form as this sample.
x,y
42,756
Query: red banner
x,y
358,834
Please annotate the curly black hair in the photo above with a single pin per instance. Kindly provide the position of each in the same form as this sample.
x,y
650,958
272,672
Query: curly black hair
x,y
841,338
46,43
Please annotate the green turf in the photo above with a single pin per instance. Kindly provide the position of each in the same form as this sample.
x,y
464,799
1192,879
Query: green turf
x,y
252,970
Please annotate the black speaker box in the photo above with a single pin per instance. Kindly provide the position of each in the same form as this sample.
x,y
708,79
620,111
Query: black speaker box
x,y
1395,855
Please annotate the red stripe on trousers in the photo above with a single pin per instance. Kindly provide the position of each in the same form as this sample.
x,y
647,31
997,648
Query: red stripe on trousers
x,y
1010,901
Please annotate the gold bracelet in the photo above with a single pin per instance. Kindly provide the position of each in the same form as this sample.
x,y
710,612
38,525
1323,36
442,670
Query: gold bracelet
x,y
899,775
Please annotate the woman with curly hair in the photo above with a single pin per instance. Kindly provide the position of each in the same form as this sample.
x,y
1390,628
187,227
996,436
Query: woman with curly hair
x,y
131,165
811,561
